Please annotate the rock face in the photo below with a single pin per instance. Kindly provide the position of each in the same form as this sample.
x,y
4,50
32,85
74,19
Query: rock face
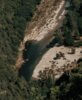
x,y
47,18
63,63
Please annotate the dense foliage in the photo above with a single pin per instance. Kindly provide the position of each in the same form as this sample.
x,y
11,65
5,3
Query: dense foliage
x,y
73,25
67,87
14,15
71,31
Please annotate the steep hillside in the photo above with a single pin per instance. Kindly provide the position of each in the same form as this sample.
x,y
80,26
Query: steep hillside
x,y
14,16
47,19
40,50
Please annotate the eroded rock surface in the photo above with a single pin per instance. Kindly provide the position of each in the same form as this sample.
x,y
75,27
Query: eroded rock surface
x,y
47,19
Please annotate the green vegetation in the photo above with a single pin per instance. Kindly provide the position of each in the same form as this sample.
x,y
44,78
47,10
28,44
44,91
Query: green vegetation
x,y
71,29
72,26
14,16
67,87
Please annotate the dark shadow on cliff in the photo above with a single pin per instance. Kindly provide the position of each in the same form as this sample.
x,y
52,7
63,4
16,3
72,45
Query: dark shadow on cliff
x,y
32,55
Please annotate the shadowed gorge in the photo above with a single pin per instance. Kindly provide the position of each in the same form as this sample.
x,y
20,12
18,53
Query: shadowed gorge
x,y
32,54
